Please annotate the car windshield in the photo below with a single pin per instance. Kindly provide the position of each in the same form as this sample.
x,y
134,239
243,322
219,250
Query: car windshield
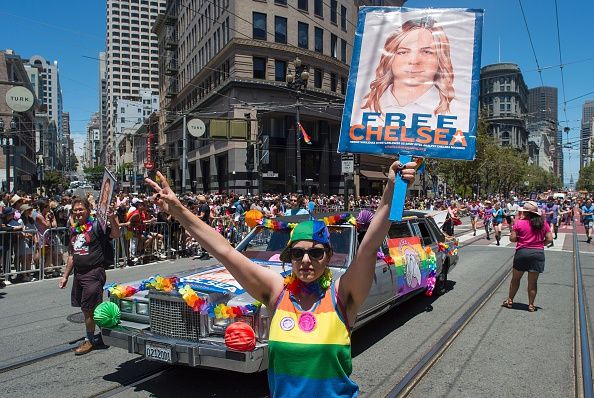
x,y
266,245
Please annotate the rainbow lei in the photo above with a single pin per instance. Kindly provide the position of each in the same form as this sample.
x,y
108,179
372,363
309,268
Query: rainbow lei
x,y
191,298
77,229
295,285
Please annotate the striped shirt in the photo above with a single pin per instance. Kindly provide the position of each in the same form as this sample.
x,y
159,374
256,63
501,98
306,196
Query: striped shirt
x,y
309,352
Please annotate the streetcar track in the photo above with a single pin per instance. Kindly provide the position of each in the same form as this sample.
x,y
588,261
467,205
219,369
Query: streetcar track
x,y
7,366
420,369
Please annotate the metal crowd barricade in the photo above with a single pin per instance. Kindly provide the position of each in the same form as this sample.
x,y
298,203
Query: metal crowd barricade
x,y
53,250
152,244
17,252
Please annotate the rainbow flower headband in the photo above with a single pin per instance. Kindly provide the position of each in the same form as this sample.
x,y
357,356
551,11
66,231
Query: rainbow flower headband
x,y
276,225
197,303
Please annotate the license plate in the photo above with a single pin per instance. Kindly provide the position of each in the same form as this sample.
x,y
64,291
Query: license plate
x,y
158,352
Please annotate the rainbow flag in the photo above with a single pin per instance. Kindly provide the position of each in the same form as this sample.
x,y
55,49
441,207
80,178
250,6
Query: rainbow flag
x,y
413,263
306,137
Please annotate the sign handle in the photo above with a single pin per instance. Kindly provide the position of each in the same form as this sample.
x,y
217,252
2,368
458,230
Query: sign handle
x,y
400,189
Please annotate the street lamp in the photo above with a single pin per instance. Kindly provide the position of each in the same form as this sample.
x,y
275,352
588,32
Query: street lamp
x,y
298,83
6,142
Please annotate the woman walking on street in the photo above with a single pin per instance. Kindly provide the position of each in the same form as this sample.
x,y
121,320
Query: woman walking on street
x,y
498,215
531,233
309,345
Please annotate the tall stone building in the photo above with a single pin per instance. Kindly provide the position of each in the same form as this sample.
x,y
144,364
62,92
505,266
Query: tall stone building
x,y
132,57
542,119
52,109
226,63
504,99
586,132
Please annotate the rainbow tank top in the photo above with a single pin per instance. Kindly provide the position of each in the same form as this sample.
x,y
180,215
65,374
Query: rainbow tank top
x,y
309,352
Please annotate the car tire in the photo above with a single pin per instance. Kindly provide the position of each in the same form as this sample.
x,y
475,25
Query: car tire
x,y
442,279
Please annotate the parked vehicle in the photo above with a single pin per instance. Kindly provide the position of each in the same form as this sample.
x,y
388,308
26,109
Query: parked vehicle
x,y
160,326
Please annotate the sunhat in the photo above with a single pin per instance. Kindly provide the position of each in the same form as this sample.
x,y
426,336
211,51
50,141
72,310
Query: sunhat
x,y
313,230
530,207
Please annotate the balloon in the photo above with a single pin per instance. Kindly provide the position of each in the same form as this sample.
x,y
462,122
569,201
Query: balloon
x,y
107,314
253,218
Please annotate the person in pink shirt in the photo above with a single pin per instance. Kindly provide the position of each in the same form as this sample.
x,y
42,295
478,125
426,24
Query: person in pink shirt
x,y
531,233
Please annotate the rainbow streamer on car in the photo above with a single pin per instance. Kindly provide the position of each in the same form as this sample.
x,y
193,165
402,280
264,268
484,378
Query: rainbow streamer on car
x,y
276,225
190,297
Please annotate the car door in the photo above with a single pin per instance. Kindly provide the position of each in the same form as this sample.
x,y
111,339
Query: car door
x,y
382,288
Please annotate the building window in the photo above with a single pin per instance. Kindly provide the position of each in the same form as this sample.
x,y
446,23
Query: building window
x,y
343,14
280,70
333,11
319,8
333,45
303,35
302,4
319,36
318,75
333,81
343,50
281,2
259,68
259,26
280,30
343,85
123,119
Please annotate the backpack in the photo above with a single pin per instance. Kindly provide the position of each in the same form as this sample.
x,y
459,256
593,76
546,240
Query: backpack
x,y
106,246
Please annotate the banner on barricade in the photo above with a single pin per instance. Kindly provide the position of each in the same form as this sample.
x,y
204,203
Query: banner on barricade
x,y
414,83
107,187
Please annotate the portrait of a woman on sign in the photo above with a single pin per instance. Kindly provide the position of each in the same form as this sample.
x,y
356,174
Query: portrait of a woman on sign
x,y
415,62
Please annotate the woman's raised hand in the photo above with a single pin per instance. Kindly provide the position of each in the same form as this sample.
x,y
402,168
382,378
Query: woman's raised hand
x,y
407,171
164,195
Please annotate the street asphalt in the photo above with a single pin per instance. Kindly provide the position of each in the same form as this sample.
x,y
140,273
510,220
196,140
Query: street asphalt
x,y
501,353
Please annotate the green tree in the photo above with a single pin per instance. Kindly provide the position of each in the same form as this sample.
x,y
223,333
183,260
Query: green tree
x,y
94,174
585,181
54,181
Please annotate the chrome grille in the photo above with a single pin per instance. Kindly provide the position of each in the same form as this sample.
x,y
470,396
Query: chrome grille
x,y
172,317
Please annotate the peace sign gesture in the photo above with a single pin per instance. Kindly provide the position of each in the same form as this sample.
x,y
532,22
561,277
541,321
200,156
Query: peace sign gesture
x,y
164,195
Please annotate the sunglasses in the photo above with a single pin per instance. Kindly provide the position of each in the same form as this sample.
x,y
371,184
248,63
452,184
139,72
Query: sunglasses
x,y
315,253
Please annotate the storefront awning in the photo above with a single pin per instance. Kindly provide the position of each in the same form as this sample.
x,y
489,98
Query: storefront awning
x,y
373,175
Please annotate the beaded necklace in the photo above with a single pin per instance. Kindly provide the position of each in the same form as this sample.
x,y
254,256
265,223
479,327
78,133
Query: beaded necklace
x,y
77,229
295,285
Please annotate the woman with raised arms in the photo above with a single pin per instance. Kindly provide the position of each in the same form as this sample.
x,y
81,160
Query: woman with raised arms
x,y
309,343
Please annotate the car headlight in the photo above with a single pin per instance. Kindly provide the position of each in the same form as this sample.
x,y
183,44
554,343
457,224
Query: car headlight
x,y
142,308
126,306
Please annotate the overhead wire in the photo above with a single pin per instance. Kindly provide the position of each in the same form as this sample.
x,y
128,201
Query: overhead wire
x,y
531,43
560,59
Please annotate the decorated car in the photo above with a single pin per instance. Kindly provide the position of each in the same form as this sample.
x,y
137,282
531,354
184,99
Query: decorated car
x,y
193,317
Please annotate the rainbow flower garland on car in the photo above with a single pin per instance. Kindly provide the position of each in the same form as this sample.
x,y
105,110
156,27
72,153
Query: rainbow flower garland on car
x,y
451,249
432,265
197,303
277,225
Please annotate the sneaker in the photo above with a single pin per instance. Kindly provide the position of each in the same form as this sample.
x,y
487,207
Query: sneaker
x,y
84,348
474,234
2,284
589,240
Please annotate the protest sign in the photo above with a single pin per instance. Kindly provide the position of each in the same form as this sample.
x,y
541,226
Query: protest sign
x,y
107,187
414,83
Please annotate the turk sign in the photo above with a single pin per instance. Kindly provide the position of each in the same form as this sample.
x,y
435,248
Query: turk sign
x,y
19,99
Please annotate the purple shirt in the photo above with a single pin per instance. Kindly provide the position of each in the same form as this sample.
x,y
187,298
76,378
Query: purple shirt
x,y
527,237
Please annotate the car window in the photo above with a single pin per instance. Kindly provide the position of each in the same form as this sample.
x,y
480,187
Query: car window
x,y
265,244
399,230
423,231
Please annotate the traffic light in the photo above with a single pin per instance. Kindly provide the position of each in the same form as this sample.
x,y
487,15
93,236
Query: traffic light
x,y
249,161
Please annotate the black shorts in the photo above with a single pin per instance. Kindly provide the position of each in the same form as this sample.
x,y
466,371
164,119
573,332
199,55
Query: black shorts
x,y
509,219
87,288
529,260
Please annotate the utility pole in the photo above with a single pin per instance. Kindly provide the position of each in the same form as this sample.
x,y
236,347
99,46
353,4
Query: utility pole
x,y
184,165
298,83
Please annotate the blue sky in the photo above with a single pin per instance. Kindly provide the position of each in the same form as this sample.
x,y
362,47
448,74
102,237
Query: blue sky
x,y
69,31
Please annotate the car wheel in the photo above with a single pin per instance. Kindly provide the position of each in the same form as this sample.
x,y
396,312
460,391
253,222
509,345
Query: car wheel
x,y
442,279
